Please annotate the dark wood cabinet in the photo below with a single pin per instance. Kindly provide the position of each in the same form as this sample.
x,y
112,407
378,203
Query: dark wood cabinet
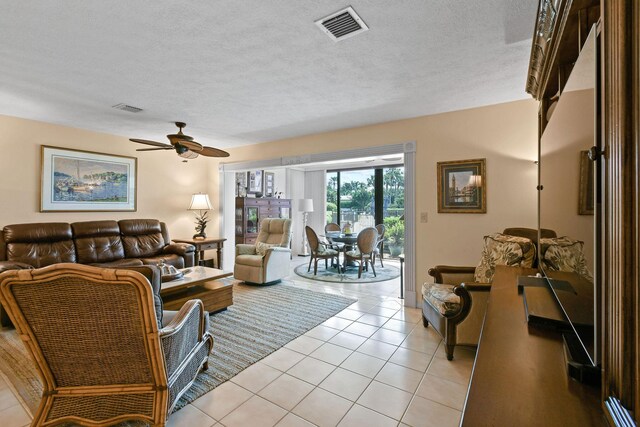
x,y
250,211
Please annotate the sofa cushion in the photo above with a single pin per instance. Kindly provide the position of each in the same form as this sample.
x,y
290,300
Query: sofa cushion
x,y
502,249
565,254
97,241
141,237
39,244
442,298
250,260
119,263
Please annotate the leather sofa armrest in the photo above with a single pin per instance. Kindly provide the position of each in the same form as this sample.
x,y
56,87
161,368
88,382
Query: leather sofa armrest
x,y
243,249
14,265
181,249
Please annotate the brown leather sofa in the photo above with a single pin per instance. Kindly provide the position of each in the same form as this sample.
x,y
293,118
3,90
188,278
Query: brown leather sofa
x,y
123,243
117,244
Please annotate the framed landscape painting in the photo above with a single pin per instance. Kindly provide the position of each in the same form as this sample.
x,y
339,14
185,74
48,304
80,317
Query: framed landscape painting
x,y
75,180
462,186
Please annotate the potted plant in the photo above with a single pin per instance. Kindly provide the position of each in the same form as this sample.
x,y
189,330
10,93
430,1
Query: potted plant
x,y
395,238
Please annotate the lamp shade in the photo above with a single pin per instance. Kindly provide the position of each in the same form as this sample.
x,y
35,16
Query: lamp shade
x,y
305,205
200,202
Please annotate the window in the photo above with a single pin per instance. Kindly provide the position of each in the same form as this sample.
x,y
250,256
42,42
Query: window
x,y
366,197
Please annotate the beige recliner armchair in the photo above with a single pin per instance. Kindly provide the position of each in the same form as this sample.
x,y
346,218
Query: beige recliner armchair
x,y
267,261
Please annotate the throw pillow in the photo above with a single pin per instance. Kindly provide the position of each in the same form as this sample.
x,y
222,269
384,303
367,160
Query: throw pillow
x,y
565,254
261,248
502,249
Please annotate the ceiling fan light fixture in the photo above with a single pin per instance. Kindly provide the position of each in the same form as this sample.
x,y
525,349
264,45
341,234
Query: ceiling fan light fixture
x,y
188,155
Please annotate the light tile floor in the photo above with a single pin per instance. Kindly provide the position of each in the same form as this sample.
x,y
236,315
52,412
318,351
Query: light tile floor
x,y
373,364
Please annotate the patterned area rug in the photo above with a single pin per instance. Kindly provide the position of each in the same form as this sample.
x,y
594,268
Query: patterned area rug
x,y
350,276
261,320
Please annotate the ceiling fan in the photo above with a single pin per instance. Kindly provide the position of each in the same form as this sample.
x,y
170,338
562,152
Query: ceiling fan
x,y
183,144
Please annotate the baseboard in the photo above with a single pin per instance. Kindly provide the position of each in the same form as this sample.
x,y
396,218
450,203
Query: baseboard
x,y
410,299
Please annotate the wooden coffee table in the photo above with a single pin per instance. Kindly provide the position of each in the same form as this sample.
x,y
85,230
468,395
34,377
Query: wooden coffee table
x,y
201,283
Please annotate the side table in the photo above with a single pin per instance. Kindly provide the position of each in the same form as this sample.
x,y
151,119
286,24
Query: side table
x,y
203,245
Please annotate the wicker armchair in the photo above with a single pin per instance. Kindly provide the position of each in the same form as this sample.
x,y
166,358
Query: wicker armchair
x,y
98,343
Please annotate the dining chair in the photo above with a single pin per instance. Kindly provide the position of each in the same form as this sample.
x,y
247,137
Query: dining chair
x,y
379,250
319,250
364,253
332,227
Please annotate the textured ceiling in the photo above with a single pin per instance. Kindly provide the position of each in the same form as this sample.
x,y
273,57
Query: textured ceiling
x,y
241,72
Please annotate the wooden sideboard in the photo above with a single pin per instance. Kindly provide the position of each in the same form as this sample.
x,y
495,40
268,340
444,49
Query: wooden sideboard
x,y
251,211
519,375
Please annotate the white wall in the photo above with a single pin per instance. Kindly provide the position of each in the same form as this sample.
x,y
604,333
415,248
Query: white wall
x,y
295,192
315,188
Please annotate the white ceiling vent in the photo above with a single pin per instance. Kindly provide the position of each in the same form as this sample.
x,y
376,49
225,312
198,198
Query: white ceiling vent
x,y
125,107
342,24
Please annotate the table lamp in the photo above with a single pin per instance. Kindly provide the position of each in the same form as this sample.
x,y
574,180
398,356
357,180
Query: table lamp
x,y
305,206
200,202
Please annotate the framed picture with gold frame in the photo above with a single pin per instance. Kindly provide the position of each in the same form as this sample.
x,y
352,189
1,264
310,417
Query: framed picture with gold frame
x,y
86,181
462,186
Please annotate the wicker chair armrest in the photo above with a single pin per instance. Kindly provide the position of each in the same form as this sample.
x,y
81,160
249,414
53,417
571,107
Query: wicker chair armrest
x,y
191,314
179,249
243,249
183,334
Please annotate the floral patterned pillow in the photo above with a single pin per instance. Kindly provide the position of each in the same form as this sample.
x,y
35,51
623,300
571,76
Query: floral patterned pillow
x,y
565,254
502,249
261,248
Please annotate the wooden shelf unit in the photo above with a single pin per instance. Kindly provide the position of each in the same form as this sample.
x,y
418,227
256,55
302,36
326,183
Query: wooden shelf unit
x,y
251,211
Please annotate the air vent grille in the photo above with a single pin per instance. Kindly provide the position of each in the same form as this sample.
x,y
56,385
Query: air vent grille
x,y
125,107
342,24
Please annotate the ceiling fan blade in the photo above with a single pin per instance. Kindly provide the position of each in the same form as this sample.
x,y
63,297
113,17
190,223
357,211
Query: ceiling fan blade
x,y
213,152
147,142
192,145
154,149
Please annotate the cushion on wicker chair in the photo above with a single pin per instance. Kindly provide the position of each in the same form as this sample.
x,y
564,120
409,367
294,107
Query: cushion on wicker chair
x,y
442,298
565,254
503,249
323,250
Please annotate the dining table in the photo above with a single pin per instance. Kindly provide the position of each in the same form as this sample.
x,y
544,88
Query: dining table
x,y
349,240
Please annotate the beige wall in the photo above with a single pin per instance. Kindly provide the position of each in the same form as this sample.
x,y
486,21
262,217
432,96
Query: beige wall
x,y
504,134
165,184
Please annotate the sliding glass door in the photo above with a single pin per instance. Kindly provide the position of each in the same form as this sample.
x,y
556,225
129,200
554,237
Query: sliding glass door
x,y
365,197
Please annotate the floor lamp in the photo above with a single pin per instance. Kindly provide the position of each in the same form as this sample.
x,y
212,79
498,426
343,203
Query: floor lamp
x,y
305,206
